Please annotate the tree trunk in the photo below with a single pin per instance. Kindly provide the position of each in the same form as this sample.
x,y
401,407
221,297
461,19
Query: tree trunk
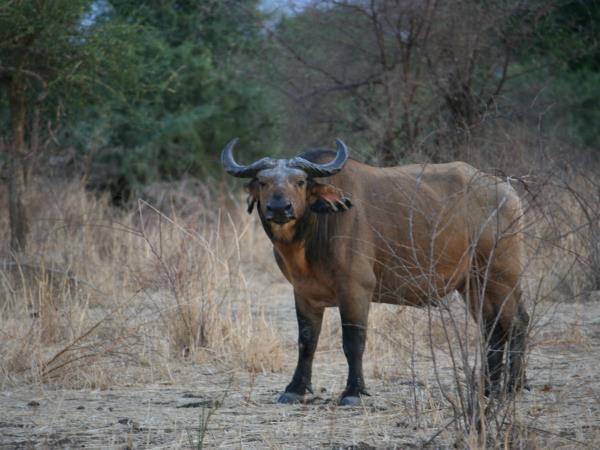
x,y
19,225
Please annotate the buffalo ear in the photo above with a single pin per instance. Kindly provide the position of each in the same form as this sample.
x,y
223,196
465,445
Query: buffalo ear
x,y
252,189
325,198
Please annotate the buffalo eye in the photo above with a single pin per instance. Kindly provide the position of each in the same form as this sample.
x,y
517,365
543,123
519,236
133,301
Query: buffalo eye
x,y
262,183
301,183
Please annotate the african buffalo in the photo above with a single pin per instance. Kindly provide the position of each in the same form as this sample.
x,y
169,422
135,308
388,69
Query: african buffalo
x,y
345,234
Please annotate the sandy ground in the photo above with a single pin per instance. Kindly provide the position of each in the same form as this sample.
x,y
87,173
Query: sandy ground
x,y
561,411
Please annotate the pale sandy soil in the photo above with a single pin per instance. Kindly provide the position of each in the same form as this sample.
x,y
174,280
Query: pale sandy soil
x,y
561,411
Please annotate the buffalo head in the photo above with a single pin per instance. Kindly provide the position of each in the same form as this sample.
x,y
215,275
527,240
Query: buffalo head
x,y
285,189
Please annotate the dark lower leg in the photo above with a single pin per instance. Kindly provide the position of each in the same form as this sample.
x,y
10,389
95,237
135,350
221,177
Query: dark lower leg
x,y
354,336
309,328
517,352
496,339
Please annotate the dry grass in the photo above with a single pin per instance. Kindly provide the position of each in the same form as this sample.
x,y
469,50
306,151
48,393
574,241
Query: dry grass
x,y
177,298
102,284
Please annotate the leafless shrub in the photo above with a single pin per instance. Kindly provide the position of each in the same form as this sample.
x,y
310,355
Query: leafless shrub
x,y
402,81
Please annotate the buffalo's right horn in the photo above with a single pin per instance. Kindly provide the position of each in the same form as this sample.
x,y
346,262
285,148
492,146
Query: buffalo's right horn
x,y
323,170
237,170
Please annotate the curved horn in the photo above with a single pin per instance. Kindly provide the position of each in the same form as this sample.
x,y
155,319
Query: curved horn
x,y
323,170
237,170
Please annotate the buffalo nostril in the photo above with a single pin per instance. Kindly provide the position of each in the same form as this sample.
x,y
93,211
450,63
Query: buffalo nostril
x,y
269,208
288,207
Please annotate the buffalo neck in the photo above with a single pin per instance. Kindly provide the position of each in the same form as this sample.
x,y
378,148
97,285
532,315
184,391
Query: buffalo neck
x,y
309,234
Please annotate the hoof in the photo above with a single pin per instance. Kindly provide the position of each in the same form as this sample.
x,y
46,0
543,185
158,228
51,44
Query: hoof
x,y
350,400
290,398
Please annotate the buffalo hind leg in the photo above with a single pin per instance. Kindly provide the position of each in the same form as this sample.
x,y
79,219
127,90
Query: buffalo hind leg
x,y
513,320
495,341
309,328
516,352
483,310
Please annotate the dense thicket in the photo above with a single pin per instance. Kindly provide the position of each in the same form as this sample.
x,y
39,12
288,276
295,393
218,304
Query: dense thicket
x,y
190,93
566,50
51,59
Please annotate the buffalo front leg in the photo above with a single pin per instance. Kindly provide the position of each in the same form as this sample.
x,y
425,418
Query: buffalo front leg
x,y
354,314
309,328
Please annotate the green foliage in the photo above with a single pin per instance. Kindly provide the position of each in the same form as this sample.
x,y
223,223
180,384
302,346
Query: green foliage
x,y
62,63
149,90
570,34
579,94
190,94
567,46
40,36
40,45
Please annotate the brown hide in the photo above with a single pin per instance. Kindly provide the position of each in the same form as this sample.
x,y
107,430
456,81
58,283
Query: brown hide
x,y
415,234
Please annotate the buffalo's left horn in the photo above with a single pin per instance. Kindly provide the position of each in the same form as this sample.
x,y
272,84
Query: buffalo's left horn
x,y
323,170
237,170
